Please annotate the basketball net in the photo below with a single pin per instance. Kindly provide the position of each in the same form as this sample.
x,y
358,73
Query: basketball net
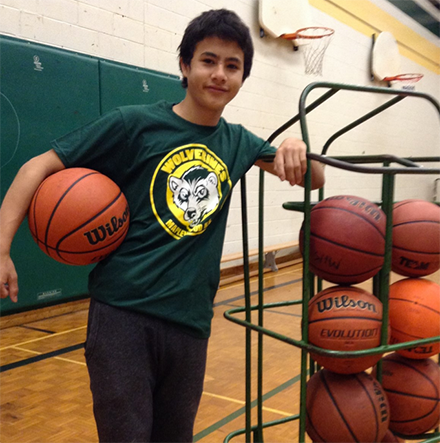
x,y
314,42
404,81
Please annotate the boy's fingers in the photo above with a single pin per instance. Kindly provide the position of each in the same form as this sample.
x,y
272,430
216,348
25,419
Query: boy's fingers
x,y
9,289
279,166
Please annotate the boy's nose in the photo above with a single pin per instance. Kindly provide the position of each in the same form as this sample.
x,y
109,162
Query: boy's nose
x,y
219,72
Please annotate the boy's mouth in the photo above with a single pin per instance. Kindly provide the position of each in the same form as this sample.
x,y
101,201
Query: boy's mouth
x,y
216,88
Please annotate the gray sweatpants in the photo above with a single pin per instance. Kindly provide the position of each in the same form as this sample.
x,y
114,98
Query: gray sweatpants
x,y
146,376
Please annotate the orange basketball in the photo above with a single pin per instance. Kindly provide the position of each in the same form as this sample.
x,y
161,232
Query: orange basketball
x,y
78,216
414,314
345,319
413,391
391,438
346,408
416,238
347,239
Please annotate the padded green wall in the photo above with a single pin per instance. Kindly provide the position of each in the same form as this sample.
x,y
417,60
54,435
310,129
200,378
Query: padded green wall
x,y
46,92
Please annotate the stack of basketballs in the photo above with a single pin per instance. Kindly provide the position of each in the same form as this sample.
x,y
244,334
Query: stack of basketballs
x,y
347,247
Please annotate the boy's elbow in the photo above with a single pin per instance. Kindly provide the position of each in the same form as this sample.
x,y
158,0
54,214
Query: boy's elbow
x,y
318,182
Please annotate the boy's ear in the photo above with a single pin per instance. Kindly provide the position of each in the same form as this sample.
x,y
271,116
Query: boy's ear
x,y
184,67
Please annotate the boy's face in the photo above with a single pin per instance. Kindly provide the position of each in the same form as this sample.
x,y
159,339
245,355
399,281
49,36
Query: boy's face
x,y
215,74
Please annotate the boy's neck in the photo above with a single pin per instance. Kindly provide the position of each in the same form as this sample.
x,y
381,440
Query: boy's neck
x,y
191,112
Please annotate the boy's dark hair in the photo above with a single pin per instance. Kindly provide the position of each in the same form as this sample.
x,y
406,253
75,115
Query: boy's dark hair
x,y
223,24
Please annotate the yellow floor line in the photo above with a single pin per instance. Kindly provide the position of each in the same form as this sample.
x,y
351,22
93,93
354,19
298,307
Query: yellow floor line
x,y
57,334
221,397
81,363
241,402
25,350
56,358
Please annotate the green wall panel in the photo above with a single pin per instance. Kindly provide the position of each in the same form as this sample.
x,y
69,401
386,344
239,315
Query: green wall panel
x,y
128,85
46,92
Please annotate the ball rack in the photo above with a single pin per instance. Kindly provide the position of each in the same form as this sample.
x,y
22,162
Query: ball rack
x,y
311,284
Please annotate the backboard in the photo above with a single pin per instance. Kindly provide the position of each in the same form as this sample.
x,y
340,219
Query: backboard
x,y
385,57
278,17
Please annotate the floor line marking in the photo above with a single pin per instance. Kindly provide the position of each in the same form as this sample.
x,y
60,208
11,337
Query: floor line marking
x,y
242,402
55,358
56,334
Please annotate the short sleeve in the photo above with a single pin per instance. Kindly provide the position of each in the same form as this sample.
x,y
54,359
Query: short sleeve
x,y
98,145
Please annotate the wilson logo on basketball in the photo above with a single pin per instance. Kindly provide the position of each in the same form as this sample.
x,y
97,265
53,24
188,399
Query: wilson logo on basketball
x,y
343,303
100,233
383,404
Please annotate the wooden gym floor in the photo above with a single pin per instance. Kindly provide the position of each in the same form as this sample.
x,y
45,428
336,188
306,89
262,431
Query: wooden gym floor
x,y
45,393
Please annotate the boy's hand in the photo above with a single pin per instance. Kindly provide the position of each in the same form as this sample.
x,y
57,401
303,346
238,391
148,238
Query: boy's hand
x,y
8,279
291,161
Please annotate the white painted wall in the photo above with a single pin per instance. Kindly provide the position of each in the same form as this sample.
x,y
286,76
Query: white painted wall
x,y
147,32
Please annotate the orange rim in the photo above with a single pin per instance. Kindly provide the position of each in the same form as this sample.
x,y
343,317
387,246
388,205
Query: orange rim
x,y
404,77
302,33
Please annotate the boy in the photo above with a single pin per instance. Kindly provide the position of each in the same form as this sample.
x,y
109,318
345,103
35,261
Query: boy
x,y
151,300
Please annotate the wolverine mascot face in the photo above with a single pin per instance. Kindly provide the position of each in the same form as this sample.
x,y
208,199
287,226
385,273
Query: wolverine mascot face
x,y
195,193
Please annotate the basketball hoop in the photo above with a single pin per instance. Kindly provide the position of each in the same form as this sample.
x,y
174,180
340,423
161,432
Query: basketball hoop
x,y
315,40
404,81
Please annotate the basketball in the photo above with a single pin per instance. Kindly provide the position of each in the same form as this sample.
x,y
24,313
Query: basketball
x,y
345,319
347,239
416,238
413,391
391,438
78,216
346,408
414,313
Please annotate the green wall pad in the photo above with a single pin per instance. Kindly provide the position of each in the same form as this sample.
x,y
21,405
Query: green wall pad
x,y
45,93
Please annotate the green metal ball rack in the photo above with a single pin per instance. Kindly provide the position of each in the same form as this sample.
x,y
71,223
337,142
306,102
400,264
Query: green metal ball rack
x,y
311,284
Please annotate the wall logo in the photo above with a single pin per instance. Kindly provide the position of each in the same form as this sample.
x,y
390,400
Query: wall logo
x,y
189,185
37,64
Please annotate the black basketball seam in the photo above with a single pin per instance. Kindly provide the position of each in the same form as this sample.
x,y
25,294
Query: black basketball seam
x,y
350,248
415,303
408,394
87,222
417,418
372,404
415,337
66,261
395,247
411,222
59,202
54,249
61,251
338,289
317,208
405,202
406,364
346,318
327,388
313,426
409,421
347,275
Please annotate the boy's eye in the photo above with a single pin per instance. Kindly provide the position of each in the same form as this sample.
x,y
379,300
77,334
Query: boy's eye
x,y
208,61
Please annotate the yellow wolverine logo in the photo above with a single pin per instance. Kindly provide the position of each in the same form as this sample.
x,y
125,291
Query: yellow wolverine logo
x,y
187,189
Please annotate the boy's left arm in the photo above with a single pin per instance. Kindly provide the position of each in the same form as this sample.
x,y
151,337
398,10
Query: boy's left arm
x,y
290,164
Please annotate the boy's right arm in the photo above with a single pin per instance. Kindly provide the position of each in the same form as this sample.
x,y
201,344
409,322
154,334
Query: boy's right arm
x,y
13,211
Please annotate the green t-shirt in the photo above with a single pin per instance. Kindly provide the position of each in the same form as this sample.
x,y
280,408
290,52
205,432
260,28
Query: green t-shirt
x,y
177,177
